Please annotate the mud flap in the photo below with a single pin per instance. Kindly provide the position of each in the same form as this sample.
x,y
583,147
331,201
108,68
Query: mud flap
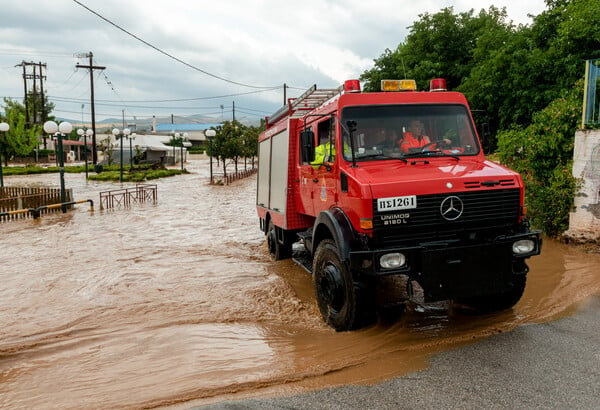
x,y
462,272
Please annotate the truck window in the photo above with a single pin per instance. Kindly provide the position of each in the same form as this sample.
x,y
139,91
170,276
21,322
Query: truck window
x,y
307,146
325,145
384,132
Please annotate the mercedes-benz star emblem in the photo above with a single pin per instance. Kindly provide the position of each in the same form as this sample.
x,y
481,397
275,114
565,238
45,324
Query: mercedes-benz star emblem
x,y
451,208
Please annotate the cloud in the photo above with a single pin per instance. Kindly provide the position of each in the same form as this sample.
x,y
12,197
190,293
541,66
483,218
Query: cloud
x,y
258,43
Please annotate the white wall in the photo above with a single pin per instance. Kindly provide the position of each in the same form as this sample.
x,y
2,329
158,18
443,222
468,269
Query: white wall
x,y
584,221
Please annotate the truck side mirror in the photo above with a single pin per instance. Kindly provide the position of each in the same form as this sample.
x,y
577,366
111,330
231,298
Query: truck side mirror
x,y
307,144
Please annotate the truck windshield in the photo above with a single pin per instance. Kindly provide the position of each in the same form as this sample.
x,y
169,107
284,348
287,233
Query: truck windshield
x,y
397,131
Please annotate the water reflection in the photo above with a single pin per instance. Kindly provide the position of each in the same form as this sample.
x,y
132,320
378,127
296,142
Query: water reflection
x,y
160,304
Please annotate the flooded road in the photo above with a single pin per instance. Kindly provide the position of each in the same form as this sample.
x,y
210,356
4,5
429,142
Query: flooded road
x,y
166,304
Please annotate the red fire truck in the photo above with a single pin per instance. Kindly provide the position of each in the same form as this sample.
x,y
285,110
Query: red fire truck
x,y
391,183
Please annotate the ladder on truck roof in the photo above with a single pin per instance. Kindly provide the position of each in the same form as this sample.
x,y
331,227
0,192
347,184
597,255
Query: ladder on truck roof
x,y
308,101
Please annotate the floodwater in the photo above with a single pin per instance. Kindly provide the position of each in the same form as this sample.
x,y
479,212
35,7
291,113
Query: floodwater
x,y
177,304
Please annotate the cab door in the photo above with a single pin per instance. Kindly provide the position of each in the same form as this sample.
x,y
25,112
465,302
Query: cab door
x,y
324,176
306,172
318,184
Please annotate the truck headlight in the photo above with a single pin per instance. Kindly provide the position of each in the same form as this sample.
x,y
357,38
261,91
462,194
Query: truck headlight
x,y
523,246
392,260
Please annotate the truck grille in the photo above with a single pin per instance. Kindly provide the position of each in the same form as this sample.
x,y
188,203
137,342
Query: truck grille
x,y
493,211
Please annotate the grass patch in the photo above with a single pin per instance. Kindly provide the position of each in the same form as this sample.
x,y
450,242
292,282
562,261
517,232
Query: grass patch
x,y
136,176
140,173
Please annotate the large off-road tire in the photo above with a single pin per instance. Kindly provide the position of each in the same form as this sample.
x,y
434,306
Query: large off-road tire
x,y
499,301
277,249
345,302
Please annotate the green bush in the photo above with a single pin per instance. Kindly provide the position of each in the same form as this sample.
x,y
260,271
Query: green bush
x,y
196,150
136,176
543,154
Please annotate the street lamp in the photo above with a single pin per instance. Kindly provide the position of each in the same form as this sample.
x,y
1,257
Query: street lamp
x,y
116,133
184,138
131,150
4,127
51,128
173,143
125,132
85,133
210,134
88,133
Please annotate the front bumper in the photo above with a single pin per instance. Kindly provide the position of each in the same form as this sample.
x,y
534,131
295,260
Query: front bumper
x,y
448,269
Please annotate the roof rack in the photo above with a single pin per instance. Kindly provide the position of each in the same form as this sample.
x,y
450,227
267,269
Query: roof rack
x,y
309,100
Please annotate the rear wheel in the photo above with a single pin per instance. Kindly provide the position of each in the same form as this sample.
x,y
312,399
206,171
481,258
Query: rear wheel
x,y
345,302
498,301
277,249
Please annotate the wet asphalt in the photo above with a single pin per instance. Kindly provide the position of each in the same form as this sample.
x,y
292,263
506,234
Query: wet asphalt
x,y
553,365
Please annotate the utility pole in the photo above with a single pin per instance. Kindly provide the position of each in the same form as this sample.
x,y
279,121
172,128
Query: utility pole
x,y
284,93
33,118
91,67
234,111
43,119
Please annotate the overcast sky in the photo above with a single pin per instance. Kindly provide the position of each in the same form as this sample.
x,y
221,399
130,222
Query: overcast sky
x,y
229,51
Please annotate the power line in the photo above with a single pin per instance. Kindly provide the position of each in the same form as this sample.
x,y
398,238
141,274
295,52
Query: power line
x,y
165,53
66,99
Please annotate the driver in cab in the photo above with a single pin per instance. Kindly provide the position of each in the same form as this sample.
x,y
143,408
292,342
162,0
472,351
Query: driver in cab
x,y
414,137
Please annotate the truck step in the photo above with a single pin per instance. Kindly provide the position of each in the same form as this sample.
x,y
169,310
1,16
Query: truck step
x,y
302,258
304,263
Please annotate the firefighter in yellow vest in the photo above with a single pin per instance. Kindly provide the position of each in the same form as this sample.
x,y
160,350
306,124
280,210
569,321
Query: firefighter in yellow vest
x,y
324,152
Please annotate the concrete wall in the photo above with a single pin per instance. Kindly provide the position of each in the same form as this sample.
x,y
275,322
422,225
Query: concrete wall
x,y
584,221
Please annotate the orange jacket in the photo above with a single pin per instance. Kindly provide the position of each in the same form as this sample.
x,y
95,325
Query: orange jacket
x,y
409,141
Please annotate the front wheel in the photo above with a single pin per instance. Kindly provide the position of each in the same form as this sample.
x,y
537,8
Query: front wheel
x,y
345,302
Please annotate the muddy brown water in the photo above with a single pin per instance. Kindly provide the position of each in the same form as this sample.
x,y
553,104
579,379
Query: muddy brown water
x,y
178,303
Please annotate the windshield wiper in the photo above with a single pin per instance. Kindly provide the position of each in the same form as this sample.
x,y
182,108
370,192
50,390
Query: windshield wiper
x,y
429,153
379,156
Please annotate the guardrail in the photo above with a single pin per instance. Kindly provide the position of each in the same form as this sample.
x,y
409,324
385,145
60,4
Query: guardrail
x,y
220,179
21,199
37,212
125,197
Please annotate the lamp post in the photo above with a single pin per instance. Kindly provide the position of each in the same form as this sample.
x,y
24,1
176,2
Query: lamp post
x,y
210,134
174,144
84,133
131,138
125,133
184,138
88,133
4,127
51,128
81,133
116,133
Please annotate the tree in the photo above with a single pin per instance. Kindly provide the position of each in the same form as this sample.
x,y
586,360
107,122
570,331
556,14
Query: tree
x,y
439,45
534,65
39,113
250,141
228,143
19,140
